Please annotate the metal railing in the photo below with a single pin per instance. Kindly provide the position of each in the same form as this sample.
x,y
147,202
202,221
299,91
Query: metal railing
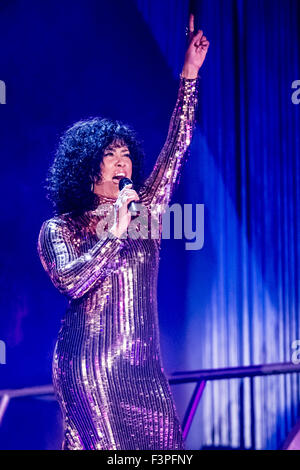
x,y
201,377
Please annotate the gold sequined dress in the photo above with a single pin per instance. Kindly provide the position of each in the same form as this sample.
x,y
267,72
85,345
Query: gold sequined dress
x,y
107,370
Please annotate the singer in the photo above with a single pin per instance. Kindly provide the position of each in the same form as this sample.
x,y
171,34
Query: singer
x,y
107,369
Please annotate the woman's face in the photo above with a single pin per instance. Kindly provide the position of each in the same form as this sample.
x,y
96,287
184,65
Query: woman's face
x,y
116,163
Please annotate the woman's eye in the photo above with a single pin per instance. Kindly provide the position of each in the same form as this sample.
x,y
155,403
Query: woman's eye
x,y
111,154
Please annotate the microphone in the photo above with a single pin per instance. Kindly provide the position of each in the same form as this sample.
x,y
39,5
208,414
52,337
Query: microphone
x,y
132,207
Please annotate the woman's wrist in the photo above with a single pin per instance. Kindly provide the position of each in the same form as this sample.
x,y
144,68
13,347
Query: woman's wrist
x,y
189,72
117,230
114,230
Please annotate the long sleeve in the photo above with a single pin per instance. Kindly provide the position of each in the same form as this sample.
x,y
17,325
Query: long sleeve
x,y
159,186
73,275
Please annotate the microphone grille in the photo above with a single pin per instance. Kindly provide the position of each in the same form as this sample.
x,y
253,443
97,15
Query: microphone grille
x,y
124,182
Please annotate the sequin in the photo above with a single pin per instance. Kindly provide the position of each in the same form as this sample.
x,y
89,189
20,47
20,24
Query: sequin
x,y
107,370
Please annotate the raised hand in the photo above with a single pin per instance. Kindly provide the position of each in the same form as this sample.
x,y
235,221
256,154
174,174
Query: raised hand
x,y
196,52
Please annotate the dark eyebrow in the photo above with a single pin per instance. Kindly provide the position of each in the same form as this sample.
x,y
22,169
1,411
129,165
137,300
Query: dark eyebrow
x,y
113,148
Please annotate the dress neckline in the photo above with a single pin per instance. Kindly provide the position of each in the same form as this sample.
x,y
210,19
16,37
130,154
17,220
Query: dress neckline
x,y
101,200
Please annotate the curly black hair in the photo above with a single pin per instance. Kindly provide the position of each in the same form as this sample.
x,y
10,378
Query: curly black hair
x,y
76,165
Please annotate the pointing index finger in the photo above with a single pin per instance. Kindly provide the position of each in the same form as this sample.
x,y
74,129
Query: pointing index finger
x,y
191,23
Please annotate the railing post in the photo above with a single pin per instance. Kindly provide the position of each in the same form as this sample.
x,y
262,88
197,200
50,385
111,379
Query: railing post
x,y
3,405
192,408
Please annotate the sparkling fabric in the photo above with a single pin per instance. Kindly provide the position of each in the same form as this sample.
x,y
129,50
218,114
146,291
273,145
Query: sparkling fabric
x,y
107,370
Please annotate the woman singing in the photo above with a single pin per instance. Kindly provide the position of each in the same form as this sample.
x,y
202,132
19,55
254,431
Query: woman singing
x,y
107,369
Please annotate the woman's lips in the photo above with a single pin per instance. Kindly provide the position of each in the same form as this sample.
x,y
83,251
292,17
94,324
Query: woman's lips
x,y
118,177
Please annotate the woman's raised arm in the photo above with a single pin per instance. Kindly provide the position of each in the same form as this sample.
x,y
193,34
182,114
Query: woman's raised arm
x,y
159,186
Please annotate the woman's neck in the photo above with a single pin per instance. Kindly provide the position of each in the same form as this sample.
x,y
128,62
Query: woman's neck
x,y
109,190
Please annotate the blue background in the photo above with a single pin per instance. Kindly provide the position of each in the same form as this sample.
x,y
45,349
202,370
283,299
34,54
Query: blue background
x,y
236,301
